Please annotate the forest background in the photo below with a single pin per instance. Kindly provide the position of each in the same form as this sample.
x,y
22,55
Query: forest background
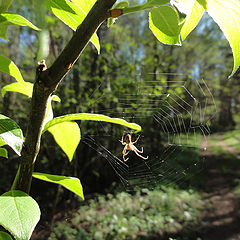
x,y
130,55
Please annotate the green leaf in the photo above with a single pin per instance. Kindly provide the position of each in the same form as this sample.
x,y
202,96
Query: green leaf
x,y
15,19
49,112
71,183
92,117
226,13
19,214
164,23
7,66
3,153
151,3
85,5
2,143
67,12
5,236
25,88
11,134
71,14
95,41
194,14
56,98
67,135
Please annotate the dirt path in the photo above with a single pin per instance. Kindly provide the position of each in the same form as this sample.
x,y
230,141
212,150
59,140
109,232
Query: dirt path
x,y
222,216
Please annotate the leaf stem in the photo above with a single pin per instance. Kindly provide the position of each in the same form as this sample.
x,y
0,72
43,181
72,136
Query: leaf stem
x,y
136,8
144,6
15,180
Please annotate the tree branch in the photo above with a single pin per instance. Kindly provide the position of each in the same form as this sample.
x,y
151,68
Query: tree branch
x,y
76,45
47,82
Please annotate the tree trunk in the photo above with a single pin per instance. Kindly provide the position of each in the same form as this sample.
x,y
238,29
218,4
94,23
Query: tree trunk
x,y
47,82
226,121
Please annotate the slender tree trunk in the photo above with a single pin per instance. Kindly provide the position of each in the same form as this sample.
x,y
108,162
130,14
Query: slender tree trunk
x,y
47,82
225,114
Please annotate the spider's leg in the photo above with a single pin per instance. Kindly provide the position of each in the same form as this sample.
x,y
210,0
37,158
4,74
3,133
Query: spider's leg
x,y
145,158
123,143
136,140
135,148
124,150
126,153
124,158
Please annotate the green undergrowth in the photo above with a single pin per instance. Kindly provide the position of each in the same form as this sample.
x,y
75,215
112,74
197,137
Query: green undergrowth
x,y
145,215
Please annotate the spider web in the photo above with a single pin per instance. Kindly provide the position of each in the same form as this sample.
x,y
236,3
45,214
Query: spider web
x,y
180,110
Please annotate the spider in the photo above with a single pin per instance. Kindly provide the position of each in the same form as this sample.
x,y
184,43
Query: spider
x,y
129,146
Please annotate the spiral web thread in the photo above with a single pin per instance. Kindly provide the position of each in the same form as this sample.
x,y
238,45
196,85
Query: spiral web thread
x,y
181,111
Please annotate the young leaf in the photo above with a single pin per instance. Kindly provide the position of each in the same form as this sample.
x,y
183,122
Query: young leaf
x,y
56,98
67,12
5,236
95,41
71,14
49,112
85,5
91,117
15,19
11,134
3,153
67,135
25,88
194,14
164,23
226,13
7,66
19,214
71,183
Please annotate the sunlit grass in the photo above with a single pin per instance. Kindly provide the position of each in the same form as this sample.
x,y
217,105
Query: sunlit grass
x,y
232,138
225,148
